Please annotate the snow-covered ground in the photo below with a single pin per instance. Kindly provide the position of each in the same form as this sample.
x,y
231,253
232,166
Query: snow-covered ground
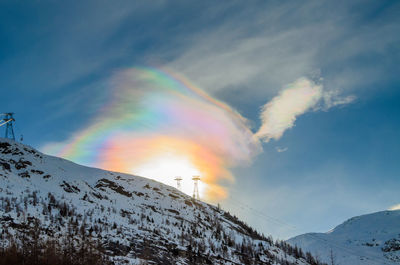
x,y
368,239
134,218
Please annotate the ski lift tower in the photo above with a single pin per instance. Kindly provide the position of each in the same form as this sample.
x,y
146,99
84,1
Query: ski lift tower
x,y
178,183
8,120
196,187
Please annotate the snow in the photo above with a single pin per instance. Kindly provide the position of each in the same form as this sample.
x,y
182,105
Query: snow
x,y
359,240
142,210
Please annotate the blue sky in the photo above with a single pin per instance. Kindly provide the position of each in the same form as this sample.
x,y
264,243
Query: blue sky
x,y
338,160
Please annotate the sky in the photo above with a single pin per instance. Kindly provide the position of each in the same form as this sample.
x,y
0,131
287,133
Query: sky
x,y
287,110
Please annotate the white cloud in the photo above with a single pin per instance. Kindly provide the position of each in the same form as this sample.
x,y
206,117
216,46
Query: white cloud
x,y
281,112
295,99
395,207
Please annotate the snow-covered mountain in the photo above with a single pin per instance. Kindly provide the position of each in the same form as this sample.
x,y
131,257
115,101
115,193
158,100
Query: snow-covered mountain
x,y
367,239
134,220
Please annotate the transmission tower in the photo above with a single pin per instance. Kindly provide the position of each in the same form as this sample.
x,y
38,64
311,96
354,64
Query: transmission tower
x,y
178,183
196,187
8,120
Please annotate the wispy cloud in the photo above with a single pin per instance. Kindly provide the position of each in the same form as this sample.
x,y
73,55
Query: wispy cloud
x,y
333,98
261,55
281,149
254,56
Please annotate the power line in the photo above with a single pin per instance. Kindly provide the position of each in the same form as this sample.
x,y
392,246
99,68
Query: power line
x,y
283,223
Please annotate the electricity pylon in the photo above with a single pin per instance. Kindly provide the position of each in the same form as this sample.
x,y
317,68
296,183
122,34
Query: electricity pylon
x,y
8,120
196,187
178,183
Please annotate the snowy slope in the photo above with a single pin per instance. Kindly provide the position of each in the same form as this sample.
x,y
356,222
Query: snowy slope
x,y
134,218
367,239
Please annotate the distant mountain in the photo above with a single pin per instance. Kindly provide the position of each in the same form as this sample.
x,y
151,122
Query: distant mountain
x,y
367,239
52,209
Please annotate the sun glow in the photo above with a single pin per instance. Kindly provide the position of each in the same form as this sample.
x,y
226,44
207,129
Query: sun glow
x,y
165,168
163,158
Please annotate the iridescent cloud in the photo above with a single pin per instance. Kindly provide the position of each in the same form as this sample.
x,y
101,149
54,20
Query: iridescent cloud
x,y
160,125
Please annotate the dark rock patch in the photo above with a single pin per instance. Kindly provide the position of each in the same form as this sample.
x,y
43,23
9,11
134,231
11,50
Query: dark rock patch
x,y
113,186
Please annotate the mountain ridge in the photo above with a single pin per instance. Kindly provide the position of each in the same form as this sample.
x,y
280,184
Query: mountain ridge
x,y
134,220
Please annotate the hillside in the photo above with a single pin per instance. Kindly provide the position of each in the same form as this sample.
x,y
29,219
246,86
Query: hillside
x,y
367,239
127,219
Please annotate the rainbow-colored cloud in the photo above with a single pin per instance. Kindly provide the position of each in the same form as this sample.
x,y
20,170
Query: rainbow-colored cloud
x,y
160,125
